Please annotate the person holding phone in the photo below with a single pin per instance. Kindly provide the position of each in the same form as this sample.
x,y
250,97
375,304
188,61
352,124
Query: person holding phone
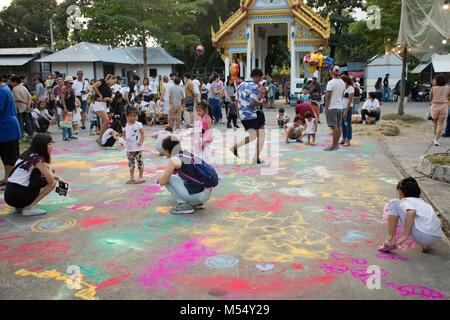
x,y
32,178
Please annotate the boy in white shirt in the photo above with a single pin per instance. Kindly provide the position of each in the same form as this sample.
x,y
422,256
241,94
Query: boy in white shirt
x,y
371,108
294,130
134,138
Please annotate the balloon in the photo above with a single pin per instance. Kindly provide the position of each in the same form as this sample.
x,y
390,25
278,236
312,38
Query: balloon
x,y
327,64
200,50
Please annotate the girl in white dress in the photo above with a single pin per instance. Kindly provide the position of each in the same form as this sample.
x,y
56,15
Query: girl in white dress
x,y
311,127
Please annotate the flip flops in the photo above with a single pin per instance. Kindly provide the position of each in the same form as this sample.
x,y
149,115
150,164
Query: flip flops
x,y
387,248
139,181
131,181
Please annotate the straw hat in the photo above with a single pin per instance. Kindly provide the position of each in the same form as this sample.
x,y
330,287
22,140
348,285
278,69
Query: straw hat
x,y
68,79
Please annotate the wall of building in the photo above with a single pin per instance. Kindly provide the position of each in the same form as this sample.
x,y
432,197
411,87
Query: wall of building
x,y
380,67
71,68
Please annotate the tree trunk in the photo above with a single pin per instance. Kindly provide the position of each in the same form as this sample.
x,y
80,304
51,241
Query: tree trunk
x,y
402,94
144,47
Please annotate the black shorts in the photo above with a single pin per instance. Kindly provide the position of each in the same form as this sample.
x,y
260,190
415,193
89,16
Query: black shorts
x,y
18,196
261,117
9,152
110,142
254,124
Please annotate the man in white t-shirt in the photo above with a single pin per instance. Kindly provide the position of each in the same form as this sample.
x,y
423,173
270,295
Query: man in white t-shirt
x,y
81,88
371,108
333,106
197,88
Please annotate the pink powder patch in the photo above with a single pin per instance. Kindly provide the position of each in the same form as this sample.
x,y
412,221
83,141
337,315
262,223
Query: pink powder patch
x,y
175,261
89,222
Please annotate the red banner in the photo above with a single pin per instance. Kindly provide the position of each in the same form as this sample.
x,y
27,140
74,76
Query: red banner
x,y
356,74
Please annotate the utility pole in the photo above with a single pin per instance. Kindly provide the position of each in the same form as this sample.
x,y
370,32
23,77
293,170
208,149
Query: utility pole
x,y
402,94
52,45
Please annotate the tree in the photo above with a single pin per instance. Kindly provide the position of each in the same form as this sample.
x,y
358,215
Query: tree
x,y
124,22
278,54
198,31
340,18
32,15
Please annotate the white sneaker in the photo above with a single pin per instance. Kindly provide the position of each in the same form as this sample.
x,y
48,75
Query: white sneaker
x,y
33,211
364,123
436,143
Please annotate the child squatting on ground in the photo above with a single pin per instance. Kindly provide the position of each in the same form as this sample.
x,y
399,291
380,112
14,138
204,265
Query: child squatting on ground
x,y
294,130
282,118
134,138
417,217
112,134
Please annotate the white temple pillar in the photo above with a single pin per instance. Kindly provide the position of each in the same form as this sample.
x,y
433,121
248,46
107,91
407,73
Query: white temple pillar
x,y
293,66
248,67
241,67
227,67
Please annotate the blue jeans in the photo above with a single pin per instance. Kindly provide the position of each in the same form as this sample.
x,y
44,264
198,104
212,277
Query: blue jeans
x,y
347,125
181,194
387,94
365,113
216,109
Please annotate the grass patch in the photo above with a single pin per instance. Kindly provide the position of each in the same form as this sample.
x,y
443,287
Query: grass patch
x,y
439,158
408,118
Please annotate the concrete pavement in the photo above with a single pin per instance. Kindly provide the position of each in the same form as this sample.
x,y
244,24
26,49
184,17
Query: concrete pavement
x,y
307,229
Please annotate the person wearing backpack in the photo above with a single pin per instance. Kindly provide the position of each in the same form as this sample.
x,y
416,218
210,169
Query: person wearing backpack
x,y
189,179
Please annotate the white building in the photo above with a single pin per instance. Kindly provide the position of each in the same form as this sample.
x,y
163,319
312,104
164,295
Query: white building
x,y
96,61
378,67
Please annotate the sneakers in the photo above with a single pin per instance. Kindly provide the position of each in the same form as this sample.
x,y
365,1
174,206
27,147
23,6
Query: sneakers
x,y
182,208
33,211
436,143
66,139
73,138
364,123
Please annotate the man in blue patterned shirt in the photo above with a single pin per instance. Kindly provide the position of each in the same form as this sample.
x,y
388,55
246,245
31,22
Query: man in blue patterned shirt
x,y
252,118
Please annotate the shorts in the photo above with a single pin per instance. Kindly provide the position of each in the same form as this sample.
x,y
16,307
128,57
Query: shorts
x,y
9,152
334,117
135,156
439,110
175,111
261,117
83,105
18,196
254,124
100,106
110,142
190,107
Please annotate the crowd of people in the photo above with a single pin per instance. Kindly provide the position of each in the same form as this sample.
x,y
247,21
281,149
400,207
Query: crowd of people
x,y
118,112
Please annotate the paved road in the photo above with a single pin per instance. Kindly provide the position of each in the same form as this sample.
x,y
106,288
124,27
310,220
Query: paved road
x,y
307,229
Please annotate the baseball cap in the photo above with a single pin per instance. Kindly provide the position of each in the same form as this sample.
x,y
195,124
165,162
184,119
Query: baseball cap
x,y
336,70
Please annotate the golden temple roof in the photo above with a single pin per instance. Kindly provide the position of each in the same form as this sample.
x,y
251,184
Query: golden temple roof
x,y
300,11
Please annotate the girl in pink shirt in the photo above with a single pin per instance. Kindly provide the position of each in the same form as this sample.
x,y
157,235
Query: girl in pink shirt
x,y
439,97
203,131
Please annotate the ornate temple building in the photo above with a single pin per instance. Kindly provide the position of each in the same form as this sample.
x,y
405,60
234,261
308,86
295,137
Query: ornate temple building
x,y
243,38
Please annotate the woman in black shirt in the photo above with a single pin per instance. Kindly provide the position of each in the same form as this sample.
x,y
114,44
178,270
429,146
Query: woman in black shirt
x,y
103,94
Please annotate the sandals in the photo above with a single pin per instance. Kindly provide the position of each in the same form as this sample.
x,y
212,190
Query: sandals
x,y
131,181
139,181
347,144
387,248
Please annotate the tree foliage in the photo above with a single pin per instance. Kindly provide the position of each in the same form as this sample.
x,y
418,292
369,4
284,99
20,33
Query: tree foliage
x,y
340,18
198,31
32,15
137,23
